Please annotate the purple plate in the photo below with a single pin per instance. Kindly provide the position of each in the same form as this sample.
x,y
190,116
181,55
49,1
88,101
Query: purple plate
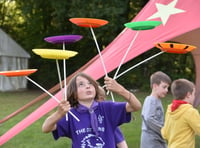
x,y
67,39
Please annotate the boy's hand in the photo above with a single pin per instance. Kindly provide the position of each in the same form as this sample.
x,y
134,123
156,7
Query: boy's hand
x,y
63,107
112,85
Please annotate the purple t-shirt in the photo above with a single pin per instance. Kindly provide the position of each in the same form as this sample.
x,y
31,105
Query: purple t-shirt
x,y
109,115
118,136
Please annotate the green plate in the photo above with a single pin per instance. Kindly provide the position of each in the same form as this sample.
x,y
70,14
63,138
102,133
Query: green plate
x,y
142,25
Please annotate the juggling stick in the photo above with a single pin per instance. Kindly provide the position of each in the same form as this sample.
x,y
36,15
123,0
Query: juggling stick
x,y
25,73
37,99
65,75
124,57
100,55
93,23
164,47
63,39
142,25
101,58
49,95
30,119
134,66
59,75
42,88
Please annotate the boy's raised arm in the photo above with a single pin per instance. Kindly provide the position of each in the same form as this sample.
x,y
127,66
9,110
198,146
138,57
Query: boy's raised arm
x,y
49,124
133,104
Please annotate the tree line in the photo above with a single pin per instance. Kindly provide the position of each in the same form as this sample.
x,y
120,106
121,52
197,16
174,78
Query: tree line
x,y
29,22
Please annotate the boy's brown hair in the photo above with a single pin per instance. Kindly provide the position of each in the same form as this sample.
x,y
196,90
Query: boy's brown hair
x,y
102,94
158,77
181,87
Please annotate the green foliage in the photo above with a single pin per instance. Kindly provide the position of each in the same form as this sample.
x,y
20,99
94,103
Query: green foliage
x,y
32,136
29,22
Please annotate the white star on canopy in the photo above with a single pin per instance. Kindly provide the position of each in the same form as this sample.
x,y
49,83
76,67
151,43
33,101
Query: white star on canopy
x,y
164,11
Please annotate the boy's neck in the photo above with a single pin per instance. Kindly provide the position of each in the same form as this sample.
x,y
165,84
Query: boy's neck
x,y
186,100
86,103
155,95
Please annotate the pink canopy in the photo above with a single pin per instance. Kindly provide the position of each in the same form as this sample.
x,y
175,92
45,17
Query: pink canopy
x,y
178,18
180,21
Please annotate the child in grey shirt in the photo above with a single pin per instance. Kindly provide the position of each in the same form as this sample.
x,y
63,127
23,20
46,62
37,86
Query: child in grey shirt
x,y
153,113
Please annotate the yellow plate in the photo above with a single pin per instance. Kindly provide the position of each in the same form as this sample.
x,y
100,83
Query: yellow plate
x,y
55,53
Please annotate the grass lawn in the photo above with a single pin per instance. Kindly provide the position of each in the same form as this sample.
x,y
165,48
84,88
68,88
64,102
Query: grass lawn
x,y
32,137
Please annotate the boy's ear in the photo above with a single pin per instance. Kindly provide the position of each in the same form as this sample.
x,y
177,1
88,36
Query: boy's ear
x,y
188,95
154,85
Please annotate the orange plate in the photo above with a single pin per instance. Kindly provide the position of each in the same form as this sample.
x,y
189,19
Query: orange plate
x,y
15,73
88,22
175,47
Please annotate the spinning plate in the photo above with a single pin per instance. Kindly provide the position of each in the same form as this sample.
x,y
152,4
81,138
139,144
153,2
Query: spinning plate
x,y
142,25
55,53
175,47
88,22
15,73
67,39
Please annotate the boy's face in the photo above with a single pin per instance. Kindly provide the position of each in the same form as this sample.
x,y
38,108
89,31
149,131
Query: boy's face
x,y
161,89
85,89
